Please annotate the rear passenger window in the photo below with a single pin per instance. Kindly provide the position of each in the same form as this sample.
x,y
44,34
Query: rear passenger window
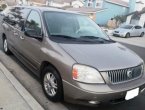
x,y
16,16
138,27
9,16
20,16
34,23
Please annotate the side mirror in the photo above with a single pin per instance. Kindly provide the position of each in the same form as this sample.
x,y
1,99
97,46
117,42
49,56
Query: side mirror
x,y
33,34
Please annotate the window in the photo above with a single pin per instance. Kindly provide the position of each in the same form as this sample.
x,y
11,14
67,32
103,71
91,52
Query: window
x,y
15,16
73,25
138,27
9,16
33,23
20,15
98,4
126,26
90,3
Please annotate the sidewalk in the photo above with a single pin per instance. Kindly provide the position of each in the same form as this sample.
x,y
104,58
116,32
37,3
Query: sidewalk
x,y
13,96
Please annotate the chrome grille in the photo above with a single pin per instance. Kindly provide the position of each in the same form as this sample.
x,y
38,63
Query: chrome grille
x,y
123,75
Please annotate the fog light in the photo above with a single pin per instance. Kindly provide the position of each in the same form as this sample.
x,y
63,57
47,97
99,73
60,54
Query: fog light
x,y
94,102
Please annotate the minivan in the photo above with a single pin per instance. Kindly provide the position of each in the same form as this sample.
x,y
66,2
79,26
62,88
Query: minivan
x,y
75,60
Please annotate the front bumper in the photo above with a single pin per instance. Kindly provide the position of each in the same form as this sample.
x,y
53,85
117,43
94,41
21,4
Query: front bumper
x,y
119,34
86,94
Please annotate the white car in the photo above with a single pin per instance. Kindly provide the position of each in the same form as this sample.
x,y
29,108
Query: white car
x,y
129,30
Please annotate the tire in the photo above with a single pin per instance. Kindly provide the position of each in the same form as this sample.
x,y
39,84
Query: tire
x,y
55,95
127,35
5,47
142,34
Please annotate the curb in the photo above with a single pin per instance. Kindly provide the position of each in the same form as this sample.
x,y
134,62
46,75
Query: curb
x,y
34,105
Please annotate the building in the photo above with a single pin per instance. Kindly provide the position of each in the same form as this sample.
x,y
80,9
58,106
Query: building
x,y
137,18
91,12
111,8
65,3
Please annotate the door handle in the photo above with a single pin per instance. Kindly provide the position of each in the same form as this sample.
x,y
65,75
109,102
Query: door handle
x,y
21,37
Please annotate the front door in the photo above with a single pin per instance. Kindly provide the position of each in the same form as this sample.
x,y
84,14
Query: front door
x,y
138,30
30,47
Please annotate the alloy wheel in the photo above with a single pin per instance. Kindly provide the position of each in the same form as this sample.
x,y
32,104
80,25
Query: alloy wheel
x,y
50,84
5,45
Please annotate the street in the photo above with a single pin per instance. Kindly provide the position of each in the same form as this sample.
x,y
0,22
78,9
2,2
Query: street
x,y
31,83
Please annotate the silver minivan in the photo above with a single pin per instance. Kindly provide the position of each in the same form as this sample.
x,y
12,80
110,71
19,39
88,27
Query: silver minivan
x,y
75,60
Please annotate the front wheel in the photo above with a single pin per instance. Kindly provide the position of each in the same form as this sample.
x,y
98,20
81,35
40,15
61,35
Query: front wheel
x,y
127,35
142,34
52,84
5,47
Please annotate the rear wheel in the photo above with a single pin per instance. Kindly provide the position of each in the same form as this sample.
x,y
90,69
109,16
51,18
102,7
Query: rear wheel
x,y
5,47
142,34
127,35
52,84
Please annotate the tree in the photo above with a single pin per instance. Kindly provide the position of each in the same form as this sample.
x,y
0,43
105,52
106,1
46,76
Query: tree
x,y
120,19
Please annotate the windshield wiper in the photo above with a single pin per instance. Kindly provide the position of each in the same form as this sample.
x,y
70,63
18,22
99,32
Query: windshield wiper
x,y
95,38
63,36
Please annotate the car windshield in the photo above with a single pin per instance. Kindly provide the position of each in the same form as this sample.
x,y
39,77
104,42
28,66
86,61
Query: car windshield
x,y
126,27
73,26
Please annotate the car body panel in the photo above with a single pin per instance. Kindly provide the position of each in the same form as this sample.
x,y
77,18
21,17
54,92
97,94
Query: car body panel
x,y
103,57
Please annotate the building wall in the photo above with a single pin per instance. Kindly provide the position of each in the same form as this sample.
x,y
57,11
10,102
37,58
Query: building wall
x,y
111,10
128,19
142,20
11,2
38,1
139,6
132,4
94,3
77,4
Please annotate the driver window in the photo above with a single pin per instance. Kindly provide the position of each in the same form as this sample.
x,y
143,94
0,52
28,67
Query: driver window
x,y
33,23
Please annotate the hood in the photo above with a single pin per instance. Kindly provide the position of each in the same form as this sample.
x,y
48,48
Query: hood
x,y
121,30
103,57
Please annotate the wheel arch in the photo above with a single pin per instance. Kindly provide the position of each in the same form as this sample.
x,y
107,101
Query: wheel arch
x,y
45,64
3,36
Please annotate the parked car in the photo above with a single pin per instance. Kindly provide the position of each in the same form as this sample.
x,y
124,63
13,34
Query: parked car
x,y
129,30
75,60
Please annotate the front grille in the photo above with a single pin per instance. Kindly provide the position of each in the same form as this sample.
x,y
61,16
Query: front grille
x,y
116,31
123,75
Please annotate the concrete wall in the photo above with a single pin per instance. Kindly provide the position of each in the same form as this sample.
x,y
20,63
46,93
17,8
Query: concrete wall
x,y
111,10
142,20
128,19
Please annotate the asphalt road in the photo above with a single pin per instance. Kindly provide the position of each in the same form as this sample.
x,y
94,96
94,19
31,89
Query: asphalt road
x,y
31,83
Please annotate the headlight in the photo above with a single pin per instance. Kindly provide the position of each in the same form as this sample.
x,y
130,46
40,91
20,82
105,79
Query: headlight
x,y
142,66
86,74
